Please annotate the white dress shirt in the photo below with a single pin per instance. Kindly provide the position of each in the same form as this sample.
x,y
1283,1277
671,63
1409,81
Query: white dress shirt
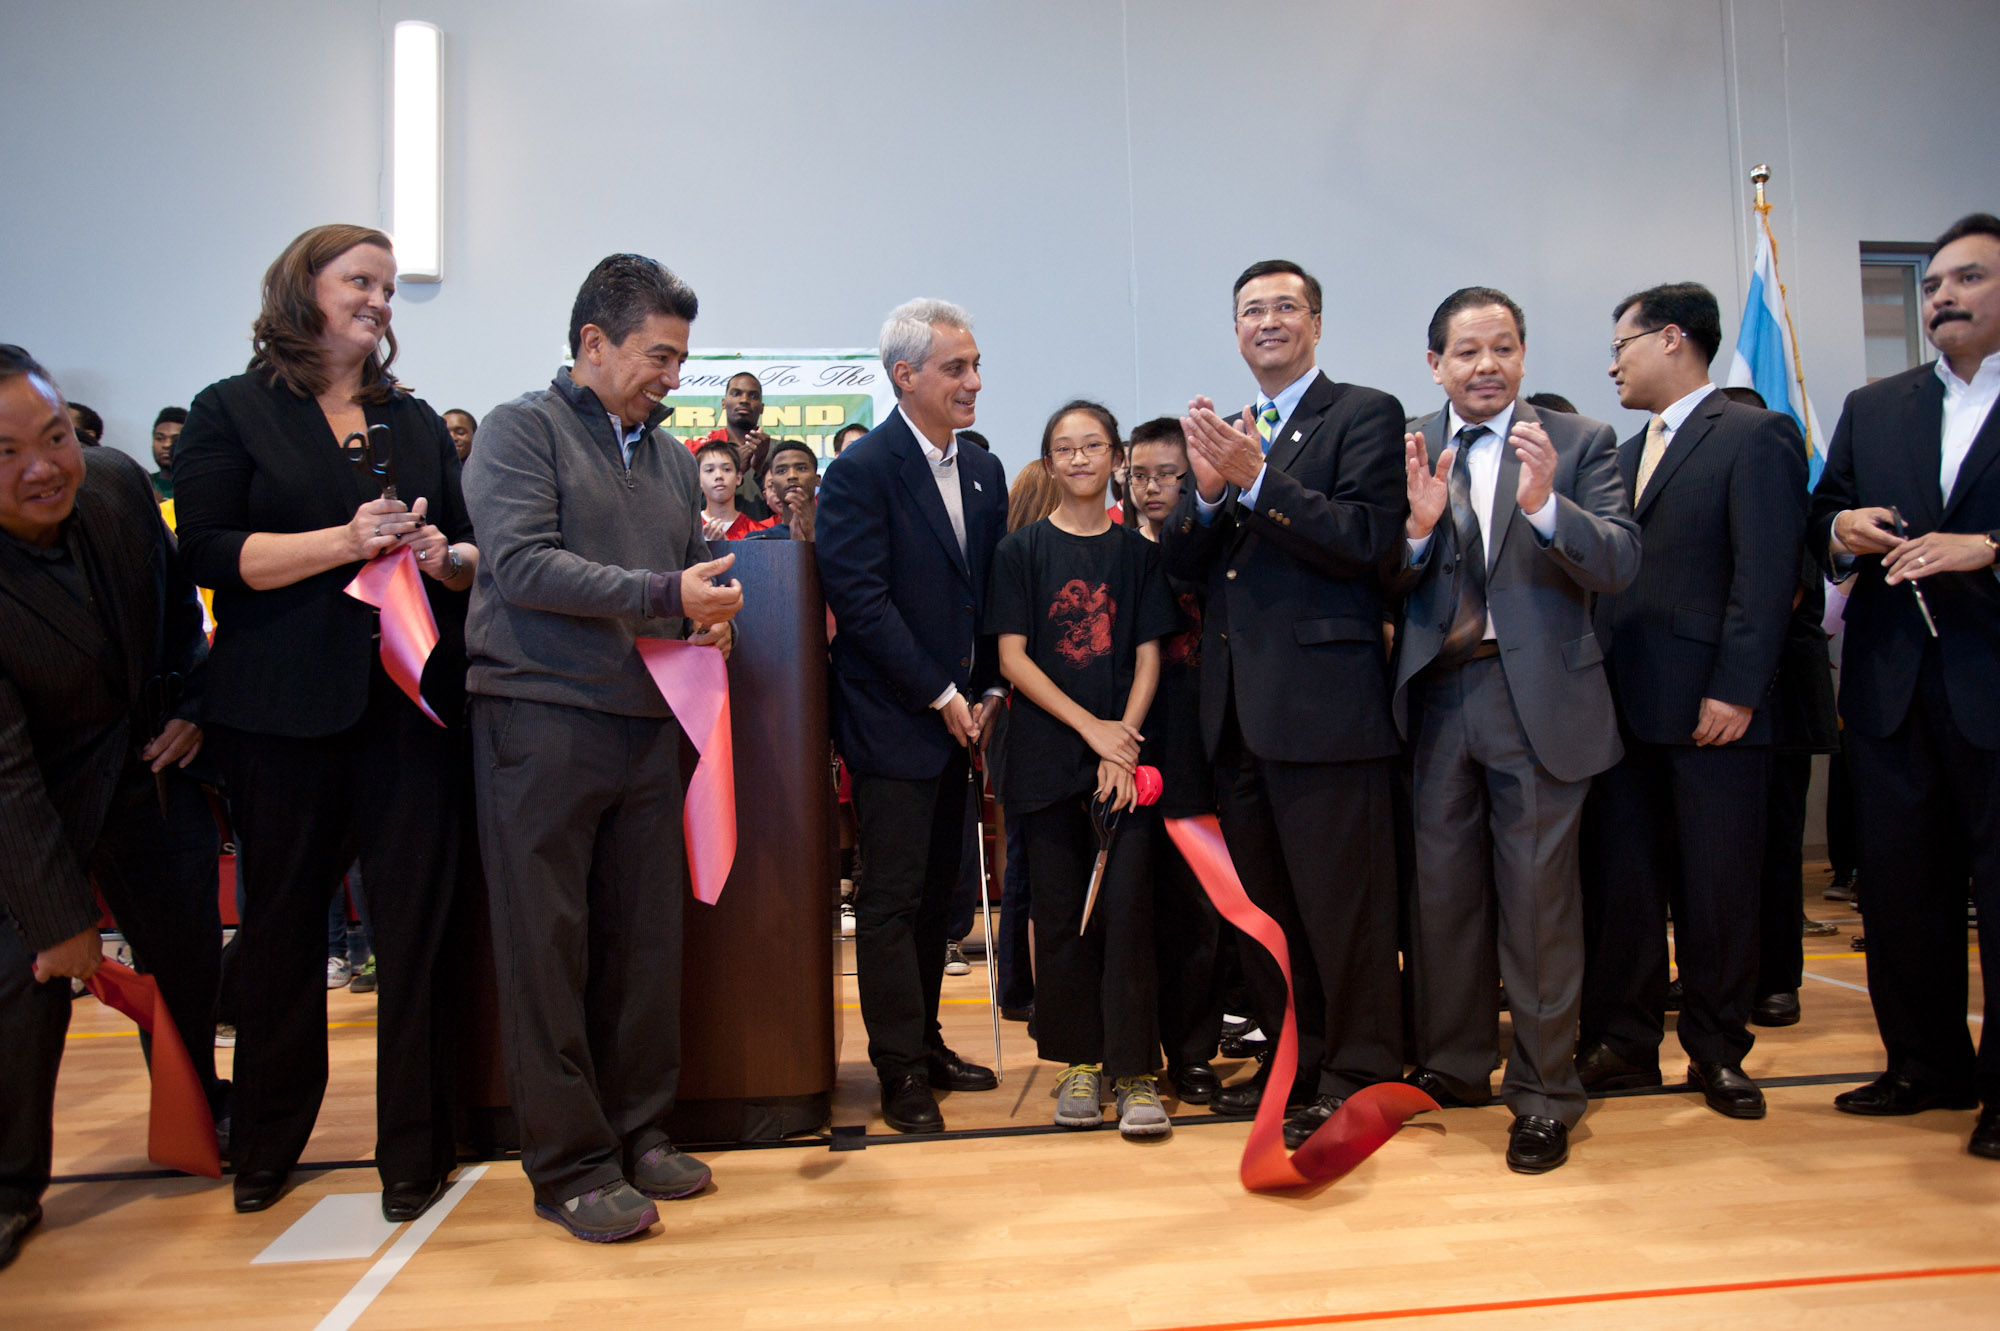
x,y
1966,407
944,470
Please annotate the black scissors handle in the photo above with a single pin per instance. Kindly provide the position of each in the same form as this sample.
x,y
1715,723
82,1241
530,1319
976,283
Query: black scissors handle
x,y
159,696
372,453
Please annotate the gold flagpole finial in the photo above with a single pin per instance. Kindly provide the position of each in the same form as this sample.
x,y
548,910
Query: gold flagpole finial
x,y
1759,176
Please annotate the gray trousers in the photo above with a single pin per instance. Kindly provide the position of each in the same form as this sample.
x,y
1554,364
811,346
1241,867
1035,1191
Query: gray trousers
x,y
1498,896
580,829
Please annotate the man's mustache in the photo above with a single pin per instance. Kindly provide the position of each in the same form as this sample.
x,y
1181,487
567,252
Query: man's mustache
x,y
1943,317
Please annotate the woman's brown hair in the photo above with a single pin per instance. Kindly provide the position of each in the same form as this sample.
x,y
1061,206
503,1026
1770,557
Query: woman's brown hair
x,y
285,340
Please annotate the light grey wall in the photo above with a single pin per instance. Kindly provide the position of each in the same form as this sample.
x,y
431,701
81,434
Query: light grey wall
x,y
1087,176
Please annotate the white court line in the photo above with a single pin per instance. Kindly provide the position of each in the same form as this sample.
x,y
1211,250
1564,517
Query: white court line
x,y
349,1310
1862,989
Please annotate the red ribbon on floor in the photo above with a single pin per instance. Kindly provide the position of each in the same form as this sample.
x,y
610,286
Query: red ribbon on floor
x,y
180,1131
1368,1118
694,680
392,585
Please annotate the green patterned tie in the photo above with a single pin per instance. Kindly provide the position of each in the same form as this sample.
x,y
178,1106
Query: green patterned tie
x,y
1267,421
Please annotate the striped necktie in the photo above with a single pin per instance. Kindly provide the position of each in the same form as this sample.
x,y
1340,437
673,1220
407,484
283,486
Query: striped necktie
x,y
1649,455
1267,423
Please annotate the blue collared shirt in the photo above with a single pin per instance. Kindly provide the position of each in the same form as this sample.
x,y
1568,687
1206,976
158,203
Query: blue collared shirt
x,y
1287,401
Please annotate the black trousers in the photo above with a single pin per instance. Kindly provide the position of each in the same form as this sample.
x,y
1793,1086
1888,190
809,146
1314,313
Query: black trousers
x,y
1673,822
1930,820
169,916
913,842
580,833
1188,946
1017,976
1314,845
1781,953
1094,989
389,790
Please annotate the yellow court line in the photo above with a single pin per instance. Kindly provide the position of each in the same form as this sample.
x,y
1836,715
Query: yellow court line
x,y
1852,955
942,1002
105,1035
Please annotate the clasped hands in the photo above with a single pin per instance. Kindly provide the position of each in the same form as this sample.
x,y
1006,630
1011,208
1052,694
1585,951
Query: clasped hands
x,y
1117,747
380,525
1430,490
1872,531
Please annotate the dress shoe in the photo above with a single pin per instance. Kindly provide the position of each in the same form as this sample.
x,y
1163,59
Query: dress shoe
x,y
1892,1095
1674,996
949,1072
1237,1041
1536,1145
1026,1013
1726,1089
1302,1122
1602,1069
14,1226
1779,1009
1985,1141
1194,1083
1433,1085
407,1201
256,1189
909,1106
1244,1096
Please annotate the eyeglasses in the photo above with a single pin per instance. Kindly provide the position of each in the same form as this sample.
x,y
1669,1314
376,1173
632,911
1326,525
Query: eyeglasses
x,y
1618,343
1096,448
1150,480
1285,310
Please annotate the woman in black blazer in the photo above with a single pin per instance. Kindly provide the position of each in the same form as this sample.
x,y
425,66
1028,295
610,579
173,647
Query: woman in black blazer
x,y
324,756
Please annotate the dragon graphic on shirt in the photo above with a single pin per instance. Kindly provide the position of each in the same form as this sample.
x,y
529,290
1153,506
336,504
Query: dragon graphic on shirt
x,y
1184,647
1083,617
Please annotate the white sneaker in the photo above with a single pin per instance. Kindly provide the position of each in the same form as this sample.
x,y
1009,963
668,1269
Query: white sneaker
x,y
338,973
225,1035
955,962
846,920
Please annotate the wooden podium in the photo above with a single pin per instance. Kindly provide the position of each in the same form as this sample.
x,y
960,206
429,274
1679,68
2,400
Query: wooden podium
x,y
758,1014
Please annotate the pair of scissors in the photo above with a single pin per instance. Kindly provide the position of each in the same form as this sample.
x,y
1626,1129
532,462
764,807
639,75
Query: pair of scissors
x,y
372,453
1903,531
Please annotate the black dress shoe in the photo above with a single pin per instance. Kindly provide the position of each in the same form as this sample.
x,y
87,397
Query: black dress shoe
x,y
1780,1009
256,1189
949,1072
1726,1089
1233,1043
1433,1085
1892,1095
1017,1013
1602,1069
1536,1145
1302,1122
1194,1083
407,1201
1244,1096
14,1226
1985,1140
1674,992
909,1106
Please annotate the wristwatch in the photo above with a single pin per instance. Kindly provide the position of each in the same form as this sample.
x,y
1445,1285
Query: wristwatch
x,y
452,563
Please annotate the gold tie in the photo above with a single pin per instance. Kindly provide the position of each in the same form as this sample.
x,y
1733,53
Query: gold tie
x,y
1649,455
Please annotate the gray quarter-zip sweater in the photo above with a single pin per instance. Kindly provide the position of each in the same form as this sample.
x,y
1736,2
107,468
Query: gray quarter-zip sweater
x,y
568,538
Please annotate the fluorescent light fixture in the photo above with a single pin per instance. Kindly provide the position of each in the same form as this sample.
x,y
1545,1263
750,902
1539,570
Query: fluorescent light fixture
x,y
417,213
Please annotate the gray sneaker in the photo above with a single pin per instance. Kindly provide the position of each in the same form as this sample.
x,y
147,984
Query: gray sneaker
x,y
604,1215
1077,1094
1139,1111
667,1175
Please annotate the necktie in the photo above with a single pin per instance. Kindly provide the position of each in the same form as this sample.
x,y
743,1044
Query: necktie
x,y
1468,622
1267,423
1649,454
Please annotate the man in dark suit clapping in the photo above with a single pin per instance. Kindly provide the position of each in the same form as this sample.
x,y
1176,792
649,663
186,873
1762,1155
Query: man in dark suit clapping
x,y
101,663
906,528
1517,520
1692,645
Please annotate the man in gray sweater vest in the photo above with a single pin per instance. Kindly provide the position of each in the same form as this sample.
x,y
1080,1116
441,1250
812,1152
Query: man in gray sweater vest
x,y
587,514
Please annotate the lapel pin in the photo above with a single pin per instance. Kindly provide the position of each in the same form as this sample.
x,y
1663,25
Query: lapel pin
x,y
1296,436
977,486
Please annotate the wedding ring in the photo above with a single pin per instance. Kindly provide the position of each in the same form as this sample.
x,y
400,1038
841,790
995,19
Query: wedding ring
x,y
378,529
1920,561
423,554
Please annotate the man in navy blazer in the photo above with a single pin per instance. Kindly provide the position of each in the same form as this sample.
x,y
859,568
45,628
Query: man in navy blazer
x,y
906,530
1917,682
1692,645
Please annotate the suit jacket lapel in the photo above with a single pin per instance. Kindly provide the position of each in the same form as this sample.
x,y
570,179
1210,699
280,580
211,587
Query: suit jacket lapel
x,y
1505,510
1305,419
42,596
110,554
1686,439
1925,454
1628,464
918,478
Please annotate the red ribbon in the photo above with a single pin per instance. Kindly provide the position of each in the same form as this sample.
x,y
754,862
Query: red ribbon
x,y
180,1131
392,585
1368,1118
694,680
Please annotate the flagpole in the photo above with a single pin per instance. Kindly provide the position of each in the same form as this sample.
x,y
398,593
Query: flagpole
x,y
1760,175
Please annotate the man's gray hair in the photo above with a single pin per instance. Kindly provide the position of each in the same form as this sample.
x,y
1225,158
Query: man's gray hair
x,y
907,332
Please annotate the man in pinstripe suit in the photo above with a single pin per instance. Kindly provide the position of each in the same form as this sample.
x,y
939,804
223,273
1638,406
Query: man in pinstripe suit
x,y
95,616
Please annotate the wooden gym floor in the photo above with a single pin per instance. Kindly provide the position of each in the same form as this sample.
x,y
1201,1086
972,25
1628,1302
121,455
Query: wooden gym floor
x,y
1667,1215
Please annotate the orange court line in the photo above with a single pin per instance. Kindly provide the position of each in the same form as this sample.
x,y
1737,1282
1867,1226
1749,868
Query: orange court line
x,y
1612,1296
